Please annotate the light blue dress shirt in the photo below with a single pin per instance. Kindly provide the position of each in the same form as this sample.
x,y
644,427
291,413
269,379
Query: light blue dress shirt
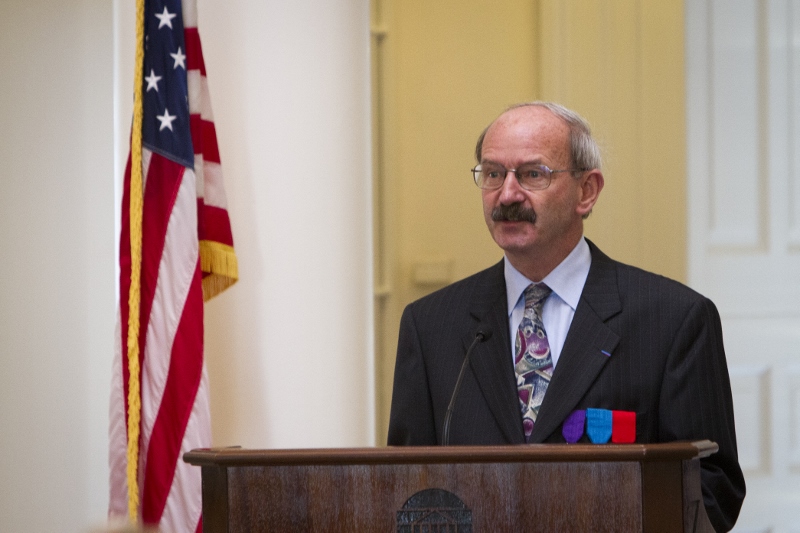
x,y
566,281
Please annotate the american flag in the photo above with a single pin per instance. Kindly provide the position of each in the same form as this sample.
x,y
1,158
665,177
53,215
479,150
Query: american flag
x,y
187,257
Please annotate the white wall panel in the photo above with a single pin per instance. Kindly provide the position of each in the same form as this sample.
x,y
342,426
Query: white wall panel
x,y
735,180
794,416
793,98
742,138
742,132
750,387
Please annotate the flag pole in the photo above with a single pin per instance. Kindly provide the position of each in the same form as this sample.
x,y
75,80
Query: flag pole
x,y
134,295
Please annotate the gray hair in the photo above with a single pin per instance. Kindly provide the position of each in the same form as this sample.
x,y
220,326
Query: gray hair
x,y
584,151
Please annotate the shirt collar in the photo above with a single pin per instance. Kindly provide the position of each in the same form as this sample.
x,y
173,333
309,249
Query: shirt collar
x,y
566,280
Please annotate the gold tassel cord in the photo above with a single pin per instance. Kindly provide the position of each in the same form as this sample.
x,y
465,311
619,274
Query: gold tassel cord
x,y
134,296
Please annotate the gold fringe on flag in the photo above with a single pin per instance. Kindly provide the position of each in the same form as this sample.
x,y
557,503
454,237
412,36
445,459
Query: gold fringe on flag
x,y
134,296
220,268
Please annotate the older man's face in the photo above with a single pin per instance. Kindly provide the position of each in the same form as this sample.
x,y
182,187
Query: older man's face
x,y
548,221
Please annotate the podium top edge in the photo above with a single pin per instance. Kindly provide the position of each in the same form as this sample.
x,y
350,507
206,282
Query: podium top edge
x,y
235,456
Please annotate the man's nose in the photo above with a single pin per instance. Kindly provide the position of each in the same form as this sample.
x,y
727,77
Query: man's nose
x,y
511,191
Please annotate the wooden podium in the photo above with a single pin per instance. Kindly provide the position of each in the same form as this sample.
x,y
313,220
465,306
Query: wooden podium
x,y
533,488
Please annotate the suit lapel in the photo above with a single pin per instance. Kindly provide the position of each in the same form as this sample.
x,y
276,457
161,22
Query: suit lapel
x,y
587,348
491,359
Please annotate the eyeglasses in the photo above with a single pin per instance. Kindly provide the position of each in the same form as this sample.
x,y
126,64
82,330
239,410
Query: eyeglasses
x,y
531,177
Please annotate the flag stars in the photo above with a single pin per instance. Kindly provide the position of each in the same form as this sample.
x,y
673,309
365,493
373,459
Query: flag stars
x,y
165,18
166,120
180,59
152,81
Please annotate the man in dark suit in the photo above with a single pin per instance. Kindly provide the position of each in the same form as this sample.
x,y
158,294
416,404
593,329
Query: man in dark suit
x,y
599,335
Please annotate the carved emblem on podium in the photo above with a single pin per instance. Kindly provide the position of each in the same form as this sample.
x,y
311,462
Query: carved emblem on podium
x,y
434,511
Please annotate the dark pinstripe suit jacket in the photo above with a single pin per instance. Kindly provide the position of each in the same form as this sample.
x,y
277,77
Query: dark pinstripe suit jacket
x,y
667,364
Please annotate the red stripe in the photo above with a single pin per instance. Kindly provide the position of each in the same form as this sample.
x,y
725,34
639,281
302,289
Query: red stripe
x,y
204,138
196,128
210,147
194,51
213,224
180,390
125,279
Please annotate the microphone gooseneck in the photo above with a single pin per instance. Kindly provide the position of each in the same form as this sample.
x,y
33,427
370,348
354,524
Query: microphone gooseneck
x,y
480,336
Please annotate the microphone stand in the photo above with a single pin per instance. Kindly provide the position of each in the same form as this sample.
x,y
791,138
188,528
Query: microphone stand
x,y
480,336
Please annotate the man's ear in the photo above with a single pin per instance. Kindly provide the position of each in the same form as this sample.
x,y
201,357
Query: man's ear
x,y
591,185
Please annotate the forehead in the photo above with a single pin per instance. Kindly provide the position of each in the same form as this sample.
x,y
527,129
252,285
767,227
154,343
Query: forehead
x,y
526,134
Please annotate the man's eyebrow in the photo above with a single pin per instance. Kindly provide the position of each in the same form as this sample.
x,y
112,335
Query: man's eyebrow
x,y
534,161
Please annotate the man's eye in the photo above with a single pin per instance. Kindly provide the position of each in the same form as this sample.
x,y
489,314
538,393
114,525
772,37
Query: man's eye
x,y
531,174
493,174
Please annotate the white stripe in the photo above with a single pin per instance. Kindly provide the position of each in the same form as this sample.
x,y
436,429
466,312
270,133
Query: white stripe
x,y
199,172
195,89
205,100
199,95
147,155
185,503
117,436
175,273
214,188
189,8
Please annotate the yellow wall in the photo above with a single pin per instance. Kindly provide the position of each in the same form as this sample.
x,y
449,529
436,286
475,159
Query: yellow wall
x,y
443,70
620,64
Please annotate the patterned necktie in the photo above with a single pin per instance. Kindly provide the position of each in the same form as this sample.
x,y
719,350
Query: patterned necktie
x,y
532,361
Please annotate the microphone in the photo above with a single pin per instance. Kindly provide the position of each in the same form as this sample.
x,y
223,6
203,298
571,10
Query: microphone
x,y
480,336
